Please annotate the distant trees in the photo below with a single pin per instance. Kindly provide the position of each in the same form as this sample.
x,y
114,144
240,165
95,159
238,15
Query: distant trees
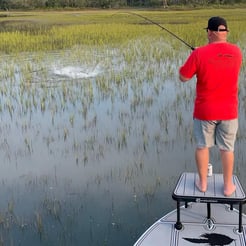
x,y
32,4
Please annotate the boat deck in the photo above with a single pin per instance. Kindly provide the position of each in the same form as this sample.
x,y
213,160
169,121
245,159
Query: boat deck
x,y
207,218
197,229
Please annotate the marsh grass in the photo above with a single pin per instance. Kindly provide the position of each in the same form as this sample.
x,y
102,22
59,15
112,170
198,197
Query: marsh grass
x,y
44,31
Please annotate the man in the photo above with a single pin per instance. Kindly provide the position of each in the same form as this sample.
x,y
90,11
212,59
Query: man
x,y
216,66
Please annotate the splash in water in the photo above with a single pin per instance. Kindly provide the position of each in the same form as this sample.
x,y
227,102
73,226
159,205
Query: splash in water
x,y
76,72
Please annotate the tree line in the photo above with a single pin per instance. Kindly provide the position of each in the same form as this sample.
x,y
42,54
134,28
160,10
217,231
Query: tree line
x,y
33,4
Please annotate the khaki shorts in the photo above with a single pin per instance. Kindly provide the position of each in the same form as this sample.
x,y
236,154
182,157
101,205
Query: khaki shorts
x,y
222,133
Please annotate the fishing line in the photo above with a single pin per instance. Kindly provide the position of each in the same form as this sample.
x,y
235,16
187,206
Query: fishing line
x,y
162,27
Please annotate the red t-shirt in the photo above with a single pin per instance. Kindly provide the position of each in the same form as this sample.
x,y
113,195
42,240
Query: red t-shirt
x,y
217,67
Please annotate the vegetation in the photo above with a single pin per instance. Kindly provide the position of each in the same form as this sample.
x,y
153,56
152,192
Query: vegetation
x,y
45,31
30,4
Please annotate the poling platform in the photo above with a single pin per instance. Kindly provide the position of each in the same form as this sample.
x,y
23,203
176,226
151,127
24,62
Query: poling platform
x,y
186,191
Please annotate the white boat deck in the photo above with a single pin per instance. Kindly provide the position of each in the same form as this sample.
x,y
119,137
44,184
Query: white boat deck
x,y
223,223
207,219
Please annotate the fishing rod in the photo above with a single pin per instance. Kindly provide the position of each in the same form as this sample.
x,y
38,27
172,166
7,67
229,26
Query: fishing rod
x,y
163,28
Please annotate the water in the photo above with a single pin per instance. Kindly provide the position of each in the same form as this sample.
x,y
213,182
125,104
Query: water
x,y
91,148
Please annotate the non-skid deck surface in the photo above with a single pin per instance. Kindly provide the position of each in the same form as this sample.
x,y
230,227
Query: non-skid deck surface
x,y
186,188
195,230
164,234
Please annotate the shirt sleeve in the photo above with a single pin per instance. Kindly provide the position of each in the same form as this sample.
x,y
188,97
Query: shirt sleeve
x,y
189,69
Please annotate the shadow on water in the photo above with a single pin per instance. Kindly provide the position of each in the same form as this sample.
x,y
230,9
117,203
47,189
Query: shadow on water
x,y
91,148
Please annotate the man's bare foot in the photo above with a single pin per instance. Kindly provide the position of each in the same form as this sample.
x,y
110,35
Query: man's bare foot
x,y
229,190
201,187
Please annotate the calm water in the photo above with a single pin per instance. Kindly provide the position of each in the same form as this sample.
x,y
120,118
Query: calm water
x,y
92,144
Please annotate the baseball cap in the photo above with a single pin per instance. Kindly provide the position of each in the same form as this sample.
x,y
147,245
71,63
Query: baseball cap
x,y
215,22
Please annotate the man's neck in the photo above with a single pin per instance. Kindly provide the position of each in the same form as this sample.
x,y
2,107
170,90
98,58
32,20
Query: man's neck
x,y
217,41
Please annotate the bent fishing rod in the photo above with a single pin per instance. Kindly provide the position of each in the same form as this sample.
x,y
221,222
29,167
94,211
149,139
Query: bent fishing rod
x,y
163,28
